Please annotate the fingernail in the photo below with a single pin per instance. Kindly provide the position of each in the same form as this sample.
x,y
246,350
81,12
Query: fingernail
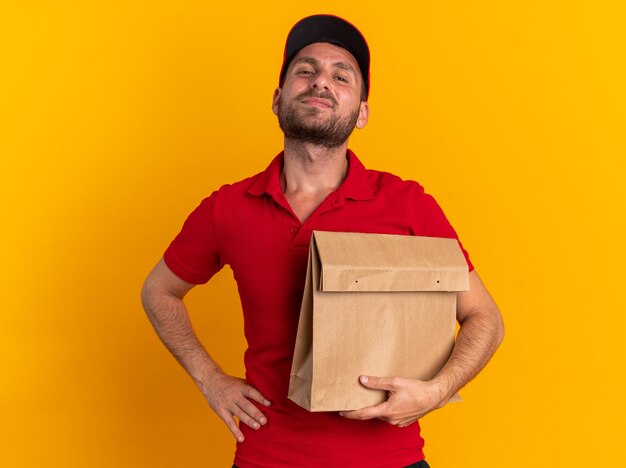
x,y
256,425
341,413
240,439
364,379
263,420
267,402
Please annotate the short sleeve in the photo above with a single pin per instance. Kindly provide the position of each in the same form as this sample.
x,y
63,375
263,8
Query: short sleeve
x,y
431,221
193,255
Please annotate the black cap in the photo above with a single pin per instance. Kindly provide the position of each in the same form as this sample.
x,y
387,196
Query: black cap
x,y
331,29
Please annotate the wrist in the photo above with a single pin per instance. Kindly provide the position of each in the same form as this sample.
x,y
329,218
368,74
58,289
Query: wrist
x,y
205,373
443,388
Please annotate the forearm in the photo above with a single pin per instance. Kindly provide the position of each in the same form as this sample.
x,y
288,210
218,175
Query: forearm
x,y
170,320
162,296
479,336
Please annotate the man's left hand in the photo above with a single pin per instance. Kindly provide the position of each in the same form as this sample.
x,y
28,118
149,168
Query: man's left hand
x,y
407,402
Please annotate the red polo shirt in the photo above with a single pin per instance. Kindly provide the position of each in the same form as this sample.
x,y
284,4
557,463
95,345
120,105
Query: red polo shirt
x,y
250,226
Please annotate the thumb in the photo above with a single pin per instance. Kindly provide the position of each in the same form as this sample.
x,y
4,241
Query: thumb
x,y
378,383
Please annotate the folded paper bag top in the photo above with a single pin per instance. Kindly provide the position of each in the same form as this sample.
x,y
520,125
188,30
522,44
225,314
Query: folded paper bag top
x,y
373,304
386,262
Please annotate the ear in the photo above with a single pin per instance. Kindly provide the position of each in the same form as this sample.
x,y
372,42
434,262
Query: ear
x,y
275,99
364,114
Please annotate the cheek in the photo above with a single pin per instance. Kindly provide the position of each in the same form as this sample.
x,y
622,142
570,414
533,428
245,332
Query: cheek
x,y
352,101
348,94
294,85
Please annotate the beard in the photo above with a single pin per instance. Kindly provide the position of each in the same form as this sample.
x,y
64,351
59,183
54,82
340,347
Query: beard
x,y
300,125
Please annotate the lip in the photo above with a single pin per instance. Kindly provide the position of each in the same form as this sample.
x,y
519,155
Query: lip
x,y
317,102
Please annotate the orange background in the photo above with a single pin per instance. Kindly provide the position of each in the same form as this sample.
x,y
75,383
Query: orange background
x,y
118,117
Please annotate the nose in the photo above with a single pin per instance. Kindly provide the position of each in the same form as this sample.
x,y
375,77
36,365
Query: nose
x,y
320,81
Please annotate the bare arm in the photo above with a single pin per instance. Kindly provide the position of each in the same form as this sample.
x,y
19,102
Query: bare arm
x,y
481,332
162,296
480,335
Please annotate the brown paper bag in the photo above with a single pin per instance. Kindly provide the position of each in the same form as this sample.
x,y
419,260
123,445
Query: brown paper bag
x,y
373,304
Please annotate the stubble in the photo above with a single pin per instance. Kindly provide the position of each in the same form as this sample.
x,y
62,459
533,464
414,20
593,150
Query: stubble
x,y
302,125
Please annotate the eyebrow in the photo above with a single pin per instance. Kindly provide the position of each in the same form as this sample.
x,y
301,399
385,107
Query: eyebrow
x,y
313,61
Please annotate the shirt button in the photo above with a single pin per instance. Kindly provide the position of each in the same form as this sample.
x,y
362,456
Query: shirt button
x,y
293,230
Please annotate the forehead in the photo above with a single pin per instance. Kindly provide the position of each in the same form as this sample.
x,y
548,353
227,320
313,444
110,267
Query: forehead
x,y
326,52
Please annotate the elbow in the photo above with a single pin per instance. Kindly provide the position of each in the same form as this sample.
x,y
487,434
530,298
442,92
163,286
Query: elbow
x,y
499,329
146,294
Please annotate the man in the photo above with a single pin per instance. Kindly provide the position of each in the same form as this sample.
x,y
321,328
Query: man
x,y
261,227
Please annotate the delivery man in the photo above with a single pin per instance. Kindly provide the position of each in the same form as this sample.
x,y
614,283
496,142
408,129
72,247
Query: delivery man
x,y
261,227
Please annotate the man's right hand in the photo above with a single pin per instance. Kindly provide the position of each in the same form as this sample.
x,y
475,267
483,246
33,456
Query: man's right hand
x,y
162,297
229,397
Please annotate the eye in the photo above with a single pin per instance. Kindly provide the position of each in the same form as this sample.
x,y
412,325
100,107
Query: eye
x,y
304,72
341,78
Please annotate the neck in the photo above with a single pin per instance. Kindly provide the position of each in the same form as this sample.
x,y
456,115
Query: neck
x,y
313,168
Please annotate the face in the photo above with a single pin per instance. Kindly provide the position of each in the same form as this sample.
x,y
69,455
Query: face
x,y
320,100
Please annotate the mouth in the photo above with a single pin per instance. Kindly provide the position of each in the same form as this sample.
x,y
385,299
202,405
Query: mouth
x,y
318,102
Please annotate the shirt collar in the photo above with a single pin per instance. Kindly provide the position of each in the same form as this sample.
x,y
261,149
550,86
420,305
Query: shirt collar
x,y
269,180
354,186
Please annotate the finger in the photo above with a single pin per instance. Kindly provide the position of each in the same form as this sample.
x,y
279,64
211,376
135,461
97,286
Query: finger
x,y
378,383
246,418
370,412
251,411
253,393
404,422
227,417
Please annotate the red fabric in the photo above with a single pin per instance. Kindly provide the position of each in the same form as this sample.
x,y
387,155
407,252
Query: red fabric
x,y
250,226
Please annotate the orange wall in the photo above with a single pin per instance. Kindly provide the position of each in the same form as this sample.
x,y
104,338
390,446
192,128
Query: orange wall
x,y
118,117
